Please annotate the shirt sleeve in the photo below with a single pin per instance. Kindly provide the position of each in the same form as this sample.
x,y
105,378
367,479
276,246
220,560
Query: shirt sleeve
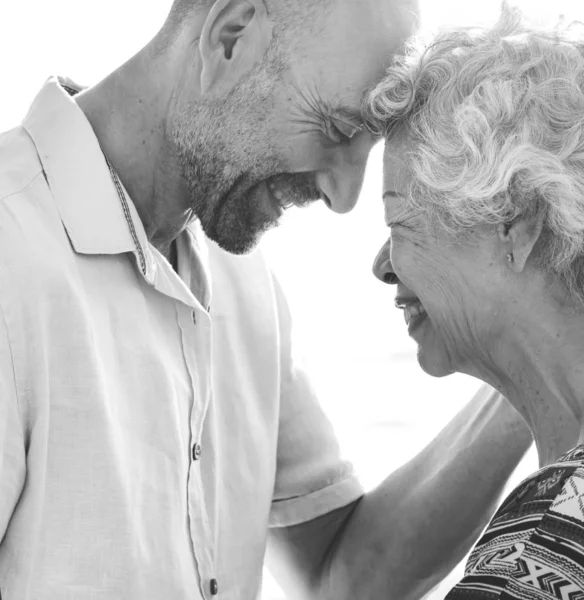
x,y
12,447
312,478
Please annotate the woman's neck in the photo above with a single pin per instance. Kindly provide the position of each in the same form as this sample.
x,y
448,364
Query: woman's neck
x,y
538,364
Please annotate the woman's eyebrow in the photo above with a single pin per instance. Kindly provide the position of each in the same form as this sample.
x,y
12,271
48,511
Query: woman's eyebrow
x,y
391,194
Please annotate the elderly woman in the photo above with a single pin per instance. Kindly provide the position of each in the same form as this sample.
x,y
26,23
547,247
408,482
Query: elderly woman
x,y
484,197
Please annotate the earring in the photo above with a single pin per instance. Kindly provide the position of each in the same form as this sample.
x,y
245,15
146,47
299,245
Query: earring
x,y
510,258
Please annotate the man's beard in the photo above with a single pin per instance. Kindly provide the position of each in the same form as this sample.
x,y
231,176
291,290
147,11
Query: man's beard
x,y
227,156
232,212
226,205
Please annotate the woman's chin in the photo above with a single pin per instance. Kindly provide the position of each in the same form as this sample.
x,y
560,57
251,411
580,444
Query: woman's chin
x,y
433,357
434,361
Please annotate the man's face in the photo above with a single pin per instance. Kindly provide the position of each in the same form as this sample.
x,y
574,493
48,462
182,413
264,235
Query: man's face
x,y
290,133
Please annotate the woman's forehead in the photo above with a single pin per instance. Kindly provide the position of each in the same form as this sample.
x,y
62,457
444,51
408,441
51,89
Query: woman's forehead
x,y
396,173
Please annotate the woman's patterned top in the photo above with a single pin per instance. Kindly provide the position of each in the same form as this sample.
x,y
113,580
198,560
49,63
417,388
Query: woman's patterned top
x,y
533,549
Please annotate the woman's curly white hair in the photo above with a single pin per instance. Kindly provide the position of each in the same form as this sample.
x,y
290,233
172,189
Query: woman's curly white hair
x,y
497,121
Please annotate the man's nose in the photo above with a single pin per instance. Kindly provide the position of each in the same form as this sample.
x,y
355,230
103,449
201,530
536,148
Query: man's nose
x,y
382,267
340,190
341,183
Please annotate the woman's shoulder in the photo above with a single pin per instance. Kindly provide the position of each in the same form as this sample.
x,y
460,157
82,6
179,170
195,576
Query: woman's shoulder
x,y
537,492
534,546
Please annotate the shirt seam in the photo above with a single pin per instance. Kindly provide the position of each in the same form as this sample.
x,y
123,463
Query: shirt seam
x,y
14,380
15,193
3,199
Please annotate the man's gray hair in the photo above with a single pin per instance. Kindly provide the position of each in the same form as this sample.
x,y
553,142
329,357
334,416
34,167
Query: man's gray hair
x,y
497,120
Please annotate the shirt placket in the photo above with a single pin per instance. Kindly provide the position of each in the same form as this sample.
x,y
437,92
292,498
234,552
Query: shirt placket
x,y
196,327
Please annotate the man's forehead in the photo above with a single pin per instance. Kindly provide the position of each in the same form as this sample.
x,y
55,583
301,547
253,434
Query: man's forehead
x,y
389,12
357,44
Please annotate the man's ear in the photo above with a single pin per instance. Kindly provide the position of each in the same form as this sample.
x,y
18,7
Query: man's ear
x,y
518,239
235,37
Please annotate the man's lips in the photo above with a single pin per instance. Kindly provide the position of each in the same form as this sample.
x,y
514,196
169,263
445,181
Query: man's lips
x,y
279,195
289,190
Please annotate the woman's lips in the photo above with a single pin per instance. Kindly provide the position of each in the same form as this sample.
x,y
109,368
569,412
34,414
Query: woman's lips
x,y
413,310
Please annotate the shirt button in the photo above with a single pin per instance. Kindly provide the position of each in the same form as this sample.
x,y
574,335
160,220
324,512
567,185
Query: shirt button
x,y
196,451
194,317
214,587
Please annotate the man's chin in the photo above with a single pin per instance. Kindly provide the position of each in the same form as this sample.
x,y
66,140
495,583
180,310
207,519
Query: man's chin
x,y
240,240
240,218
238,247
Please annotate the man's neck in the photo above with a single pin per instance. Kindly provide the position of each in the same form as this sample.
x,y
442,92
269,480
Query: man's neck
x,y
129,121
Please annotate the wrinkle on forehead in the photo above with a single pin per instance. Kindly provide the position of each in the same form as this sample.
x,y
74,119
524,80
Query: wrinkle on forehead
x,y
397,177
396,171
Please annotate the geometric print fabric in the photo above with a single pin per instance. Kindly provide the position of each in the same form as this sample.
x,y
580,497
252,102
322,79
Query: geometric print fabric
x,y
533,548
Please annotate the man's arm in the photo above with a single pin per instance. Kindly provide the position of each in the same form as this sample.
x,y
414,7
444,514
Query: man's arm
x,y
399,540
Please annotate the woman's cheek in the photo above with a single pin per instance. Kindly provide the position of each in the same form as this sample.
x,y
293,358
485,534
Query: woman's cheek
x,y
419,264
401,256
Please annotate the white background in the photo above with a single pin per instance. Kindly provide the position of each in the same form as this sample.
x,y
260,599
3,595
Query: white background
x,y
354,341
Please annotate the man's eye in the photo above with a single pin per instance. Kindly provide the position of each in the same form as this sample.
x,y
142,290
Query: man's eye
x,y
341,132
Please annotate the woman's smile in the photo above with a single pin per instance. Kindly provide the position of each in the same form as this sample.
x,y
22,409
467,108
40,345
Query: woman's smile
x,y
414,312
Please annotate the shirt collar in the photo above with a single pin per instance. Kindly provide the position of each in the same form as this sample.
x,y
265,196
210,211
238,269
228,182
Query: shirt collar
x,y
79,178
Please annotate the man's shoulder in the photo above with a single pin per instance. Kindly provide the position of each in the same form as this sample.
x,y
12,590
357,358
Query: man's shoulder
x,y
19,162
32,237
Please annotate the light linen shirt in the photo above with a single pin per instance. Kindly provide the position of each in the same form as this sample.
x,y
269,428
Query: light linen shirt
x,y
147,441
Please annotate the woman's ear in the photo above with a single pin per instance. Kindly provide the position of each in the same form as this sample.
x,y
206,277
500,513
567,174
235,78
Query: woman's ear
x,y
519,237
235,37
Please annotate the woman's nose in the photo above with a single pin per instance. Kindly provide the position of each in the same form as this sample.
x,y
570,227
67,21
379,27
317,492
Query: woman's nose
x,y
382,267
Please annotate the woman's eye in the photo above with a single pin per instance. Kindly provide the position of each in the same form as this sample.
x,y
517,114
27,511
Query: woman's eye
x,y
395,224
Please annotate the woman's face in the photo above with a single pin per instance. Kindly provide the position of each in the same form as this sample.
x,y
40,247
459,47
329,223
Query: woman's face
x,y
450,290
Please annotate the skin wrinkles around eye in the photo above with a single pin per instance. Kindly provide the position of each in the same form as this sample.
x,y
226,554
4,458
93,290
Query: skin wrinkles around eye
x,y
406,226
403,217
399,220
335,125
347,123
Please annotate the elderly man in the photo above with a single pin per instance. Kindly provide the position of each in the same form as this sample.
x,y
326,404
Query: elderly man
x,y
155,433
